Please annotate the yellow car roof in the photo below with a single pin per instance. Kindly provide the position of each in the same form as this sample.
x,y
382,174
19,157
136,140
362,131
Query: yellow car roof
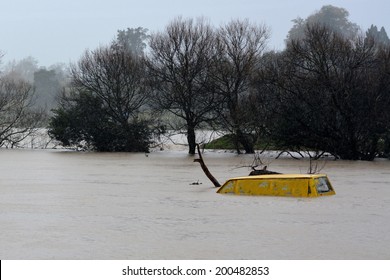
x,y
281,176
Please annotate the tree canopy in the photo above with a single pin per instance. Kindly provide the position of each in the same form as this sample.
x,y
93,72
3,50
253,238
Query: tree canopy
x,y
328,91
330,94
179,64
330,16
133,40
240,46
104,104
379,36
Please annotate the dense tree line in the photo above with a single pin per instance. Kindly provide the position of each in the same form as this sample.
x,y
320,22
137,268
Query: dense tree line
x,y
328,91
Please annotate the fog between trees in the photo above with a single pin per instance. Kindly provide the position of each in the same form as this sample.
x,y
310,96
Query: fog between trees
x,y
327,91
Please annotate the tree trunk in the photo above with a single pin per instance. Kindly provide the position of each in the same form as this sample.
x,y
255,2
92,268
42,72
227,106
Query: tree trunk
x,y
245,142
191,139
386,149
236,143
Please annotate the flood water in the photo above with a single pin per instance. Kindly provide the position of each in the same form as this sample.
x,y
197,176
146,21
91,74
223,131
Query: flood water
x,y
73,205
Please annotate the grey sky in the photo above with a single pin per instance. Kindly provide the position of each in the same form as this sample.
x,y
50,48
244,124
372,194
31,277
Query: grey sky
x,y
60,30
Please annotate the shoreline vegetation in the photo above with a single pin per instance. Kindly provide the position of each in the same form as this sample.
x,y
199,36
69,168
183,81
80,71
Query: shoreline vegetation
x,y
326,93
208,140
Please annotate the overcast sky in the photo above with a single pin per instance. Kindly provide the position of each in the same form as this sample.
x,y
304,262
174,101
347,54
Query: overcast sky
x,y
54,31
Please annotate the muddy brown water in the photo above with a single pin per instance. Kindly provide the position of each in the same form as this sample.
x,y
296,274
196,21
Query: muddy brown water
x,y
72,205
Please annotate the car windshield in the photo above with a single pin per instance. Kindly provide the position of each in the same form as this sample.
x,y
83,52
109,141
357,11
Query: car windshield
x,y
322,185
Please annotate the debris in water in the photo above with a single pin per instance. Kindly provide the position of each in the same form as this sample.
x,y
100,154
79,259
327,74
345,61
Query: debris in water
x,y
196,183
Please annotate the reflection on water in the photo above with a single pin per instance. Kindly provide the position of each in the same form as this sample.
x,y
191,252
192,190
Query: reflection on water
x,y
69,205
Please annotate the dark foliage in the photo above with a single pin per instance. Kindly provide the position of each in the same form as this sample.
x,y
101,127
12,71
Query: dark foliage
x,y
84,122
327,92
103,108
331,94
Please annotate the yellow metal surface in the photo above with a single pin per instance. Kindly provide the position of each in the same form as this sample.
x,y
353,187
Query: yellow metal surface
x,y
295,185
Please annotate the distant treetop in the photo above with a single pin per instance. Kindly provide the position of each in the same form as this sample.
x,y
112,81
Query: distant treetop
x,y
133,39
378,36
329,16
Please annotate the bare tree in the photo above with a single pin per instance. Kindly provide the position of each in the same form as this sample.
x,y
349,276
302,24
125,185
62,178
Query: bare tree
x,y
105,106
18,119
116,77
179,65
240,45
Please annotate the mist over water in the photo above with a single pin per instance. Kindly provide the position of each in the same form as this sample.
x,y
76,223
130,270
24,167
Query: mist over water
x,y
72,205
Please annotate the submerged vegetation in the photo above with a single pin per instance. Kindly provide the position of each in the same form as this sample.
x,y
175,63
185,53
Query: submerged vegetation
x,y
328,91
227,142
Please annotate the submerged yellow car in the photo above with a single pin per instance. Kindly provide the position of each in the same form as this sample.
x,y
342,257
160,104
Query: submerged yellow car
x,y
296,185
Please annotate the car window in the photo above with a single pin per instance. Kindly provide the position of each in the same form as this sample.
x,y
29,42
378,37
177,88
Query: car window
x,y
322,185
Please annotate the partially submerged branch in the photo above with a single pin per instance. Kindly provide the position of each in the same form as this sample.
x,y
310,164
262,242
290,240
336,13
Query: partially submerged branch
x,y
258,161
263,171
205,169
